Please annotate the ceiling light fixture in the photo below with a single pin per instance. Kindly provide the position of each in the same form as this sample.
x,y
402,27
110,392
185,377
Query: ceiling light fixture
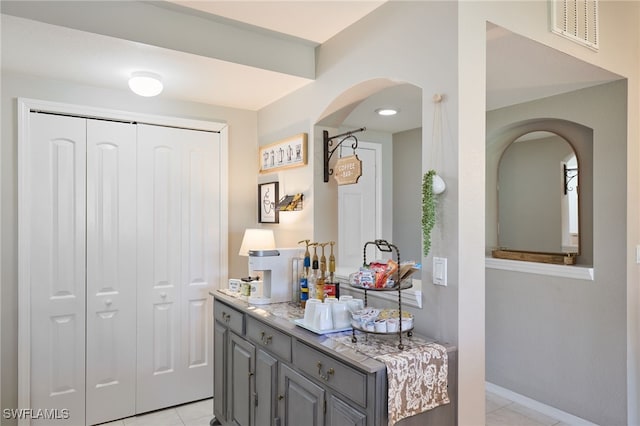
x,y
145,83
387,111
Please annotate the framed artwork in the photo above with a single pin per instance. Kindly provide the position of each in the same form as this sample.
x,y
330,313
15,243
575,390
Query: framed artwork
x,y
267,202
284,154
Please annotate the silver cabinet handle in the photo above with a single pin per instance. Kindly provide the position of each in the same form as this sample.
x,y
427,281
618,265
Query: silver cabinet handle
x,y
226,317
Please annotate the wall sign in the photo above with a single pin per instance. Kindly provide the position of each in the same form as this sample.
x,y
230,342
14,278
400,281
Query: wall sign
x,y
267,201
348,170
291,152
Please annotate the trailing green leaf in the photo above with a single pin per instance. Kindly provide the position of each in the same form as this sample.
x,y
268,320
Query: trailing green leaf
x,y
428,210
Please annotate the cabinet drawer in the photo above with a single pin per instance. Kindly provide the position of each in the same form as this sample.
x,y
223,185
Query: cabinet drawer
x,y
331,372
269,338
229,316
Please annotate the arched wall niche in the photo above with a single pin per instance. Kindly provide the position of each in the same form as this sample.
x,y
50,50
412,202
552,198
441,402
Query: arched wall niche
x,y
353,109
580,138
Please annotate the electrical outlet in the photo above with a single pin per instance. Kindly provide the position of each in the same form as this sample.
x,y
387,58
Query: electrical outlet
x,y
440,271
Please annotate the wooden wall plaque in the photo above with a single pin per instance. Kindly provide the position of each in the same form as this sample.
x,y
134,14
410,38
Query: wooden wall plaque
x,y
348,170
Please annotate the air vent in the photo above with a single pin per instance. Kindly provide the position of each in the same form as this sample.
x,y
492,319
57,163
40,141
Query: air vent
x,y
577,20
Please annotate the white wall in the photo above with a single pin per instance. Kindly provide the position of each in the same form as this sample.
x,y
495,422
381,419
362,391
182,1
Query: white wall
x,y
242,202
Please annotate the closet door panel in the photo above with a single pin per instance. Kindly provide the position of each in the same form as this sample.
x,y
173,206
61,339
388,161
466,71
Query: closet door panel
x,y
178,226
111,270
200,201
56,177
159,275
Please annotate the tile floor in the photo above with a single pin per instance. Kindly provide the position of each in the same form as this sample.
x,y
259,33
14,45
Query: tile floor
x,y
500,412
504,412
197,413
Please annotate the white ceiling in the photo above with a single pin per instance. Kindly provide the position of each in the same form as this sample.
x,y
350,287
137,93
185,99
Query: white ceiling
x,y
518,69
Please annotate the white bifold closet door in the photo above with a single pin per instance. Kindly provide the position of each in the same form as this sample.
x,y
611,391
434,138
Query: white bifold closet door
x,y
56,167
123,248
83,267
111,271
178,227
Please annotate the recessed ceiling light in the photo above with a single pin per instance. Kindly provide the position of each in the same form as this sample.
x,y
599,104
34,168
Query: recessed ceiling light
x,y
387,111
145,83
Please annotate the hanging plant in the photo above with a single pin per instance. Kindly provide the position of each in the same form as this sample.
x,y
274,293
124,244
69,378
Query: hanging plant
x,y
428,210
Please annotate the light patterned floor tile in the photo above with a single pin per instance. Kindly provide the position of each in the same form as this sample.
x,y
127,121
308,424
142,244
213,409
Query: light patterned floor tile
x,y
196,410
506,417
114,423
532,414
203,421
493,402
167,417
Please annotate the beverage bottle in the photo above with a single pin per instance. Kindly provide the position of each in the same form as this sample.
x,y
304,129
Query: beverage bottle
x,y
304,285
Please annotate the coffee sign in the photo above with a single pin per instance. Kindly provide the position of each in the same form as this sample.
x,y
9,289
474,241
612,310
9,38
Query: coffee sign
x,y
348,170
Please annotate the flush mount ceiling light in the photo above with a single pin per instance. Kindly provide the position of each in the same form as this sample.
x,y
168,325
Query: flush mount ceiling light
x,y
387,111
145,83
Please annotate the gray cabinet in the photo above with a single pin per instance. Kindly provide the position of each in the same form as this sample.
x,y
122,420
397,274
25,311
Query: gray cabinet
x,y
220,348
268,372
301,402
339,413
241,402
266,388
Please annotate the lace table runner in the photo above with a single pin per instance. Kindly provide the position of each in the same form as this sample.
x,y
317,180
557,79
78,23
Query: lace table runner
x,y
416,375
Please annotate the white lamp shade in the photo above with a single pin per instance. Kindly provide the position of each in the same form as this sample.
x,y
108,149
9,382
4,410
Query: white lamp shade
x,y
145,83
257,239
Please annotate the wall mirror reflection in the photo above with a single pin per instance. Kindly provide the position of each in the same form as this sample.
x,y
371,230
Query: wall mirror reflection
x,y
391,152
538,196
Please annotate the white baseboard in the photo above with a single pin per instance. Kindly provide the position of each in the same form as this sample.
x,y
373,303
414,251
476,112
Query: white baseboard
x,y
547,410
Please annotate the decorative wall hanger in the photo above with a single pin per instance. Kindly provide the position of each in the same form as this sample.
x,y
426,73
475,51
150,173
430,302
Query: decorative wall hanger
x,y
350,169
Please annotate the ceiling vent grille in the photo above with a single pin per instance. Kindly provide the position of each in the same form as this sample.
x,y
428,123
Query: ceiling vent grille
x,y
577,20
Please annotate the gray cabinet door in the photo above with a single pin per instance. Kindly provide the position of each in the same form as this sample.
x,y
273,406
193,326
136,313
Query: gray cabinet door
x,y
339,413
220,346
266,388
302,402
241,369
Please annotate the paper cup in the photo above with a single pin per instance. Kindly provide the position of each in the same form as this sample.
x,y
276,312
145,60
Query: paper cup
x,y
323,316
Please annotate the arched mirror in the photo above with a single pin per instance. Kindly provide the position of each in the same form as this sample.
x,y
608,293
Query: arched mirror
x,y
538,198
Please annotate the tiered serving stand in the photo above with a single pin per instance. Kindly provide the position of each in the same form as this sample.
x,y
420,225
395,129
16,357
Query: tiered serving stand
x,y
385,246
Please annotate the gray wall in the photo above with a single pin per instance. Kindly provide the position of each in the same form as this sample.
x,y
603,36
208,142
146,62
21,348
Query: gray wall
x,y
561,341
242,144
407,193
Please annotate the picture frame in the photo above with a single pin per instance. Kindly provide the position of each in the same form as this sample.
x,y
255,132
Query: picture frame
x,y
267,202
284,154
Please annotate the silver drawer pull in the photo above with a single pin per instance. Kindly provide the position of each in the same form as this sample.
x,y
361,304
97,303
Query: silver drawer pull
x,y
325,377
265,339
226,317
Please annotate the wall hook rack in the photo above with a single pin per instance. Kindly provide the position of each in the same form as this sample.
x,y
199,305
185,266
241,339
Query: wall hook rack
x,y
328,151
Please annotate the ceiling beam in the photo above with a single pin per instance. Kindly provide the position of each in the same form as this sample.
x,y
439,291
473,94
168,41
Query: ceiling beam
x,y
174,27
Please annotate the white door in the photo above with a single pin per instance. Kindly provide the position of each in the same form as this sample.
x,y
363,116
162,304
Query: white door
x,y
178,227
56,250
111,270
359,210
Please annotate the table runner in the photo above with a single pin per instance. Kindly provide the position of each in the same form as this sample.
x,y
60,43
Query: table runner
x,y
416,375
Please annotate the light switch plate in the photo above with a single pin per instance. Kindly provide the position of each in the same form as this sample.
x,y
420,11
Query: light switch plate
x,y
440,271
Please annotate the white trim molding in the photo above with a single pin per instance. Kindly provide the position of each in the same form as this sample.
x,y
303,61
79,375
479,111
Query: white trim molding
x,y
576,272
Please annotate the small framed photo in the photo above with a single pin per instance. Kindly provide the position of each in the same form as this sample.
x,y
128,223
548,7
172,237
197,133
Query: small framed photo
x,y
267,202
284,154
